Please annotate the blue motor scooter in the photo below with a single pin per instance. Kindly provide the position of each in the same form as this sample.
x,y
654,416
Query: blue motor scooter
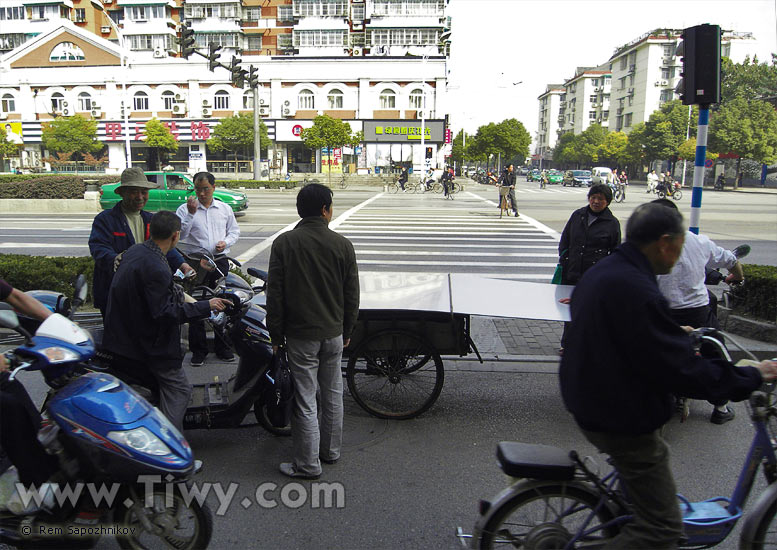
x,y
106,437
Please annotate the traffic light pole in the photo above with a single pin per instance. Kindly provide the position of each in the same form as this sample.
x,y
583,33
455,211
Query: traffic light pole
x,y
257,134
698,167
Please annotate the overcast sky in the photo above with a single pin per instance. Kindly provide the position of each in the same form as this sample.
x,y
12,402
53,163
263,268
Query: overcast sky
x,y
540,42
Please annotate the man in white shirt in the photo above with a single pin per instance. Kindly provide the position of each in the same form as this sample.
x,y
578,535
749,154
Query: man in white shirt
x,y
652,181
687,294
209,224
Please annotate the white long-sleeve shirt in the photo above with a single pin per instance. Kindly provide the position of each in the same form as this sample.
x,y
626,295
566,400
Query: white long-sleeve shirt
x,y
208,226
684,286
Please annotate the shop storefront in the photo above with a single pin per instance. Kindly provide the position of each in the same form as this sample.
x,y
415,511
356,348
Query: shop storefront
x,y
393,144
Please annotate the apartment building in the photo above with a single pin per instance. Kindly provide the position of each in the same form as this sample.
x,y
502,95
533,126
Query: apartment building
x,y
639,77
379,64
548,120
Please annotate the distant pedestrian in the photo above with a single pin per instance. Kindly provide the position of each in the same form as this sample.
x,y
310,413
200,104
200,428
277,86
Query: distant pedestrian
x,y
507,179
403,177
652,181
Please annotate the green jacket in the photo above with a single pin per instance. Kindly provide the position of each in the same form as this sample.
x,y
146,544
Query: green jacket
x,y
312,284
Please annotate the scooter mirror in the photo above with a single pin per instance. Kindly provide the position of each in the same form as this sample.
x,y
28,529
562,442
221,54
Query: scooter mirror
x,y
742,250
81,288
8,318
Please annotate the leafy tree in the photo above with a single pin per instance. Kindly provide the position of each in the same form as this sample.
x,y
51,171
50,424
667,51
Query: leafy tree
x,y
613,149
71,136
236,134
564,151
160,140
747,129
7,148
749,79
587,143
458,151
666,129
508,139
330,133
635,148
687,151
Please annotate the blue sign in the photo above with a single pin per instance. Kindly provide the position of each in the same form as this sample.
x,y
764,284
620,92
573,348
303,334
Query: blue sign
x,y
357,150
708,163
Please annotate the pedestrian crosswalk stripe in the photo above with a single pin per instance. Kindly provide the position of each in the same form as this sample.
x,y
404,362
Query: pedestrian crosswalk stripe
x,y
360,251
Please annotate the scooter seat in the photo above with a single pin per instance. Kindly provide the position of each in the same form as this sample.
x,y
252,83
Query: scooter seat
x,y
534,461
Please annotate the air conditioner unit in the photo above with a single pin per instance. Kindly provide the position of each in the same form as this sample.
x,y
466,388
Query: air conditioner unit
x,y
357,52
67,111
287,112
105,29
205,103
598,89
206,112
264,111
3,116
179,108
65,104
159,53
664,83
423,113
178,97
262,101
96,113
286,103
358,26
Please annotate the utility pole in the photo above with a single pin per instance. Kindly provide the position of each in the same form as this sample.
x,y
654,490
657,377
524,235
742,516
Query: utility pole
x,y
253,82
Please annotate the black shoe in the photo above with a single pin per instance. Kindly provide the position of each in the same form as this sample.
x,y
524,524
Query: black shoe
x,y
198,358
328,460
719,417
227,357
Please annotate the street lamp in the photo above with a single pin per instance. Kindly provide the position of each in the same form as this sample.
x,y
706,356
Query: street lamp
x,y
423,118
124,70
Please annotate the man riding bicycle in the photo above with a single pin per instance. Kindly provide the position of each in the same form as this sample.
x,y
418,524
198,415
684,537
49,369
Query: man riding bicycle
x,y
625,358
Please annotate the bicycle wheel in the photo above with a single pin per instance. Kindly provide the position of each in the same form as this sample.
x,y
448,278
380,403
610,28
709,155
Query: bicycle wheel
x,y
393,188
437,187
677,195
458,187
662,194
389,375
547,517
618,196
765,535
343,184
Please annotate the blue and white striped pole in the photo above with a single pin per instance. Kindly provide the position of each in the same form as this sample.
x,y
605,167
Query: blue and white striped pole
x,y
698,167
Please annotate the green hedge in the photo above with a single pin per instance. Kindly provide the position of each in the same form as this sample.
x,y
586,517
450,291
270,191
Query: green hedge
x,y
254,184
44,187
45,273
758,296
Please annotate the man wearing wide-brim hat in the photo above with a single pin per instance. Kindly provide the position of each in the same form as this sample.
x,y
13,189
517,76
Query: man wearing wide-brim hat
x,y
115,230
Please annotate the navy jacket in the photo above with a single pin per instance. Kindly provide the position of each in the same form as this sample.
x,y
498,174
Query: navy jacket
x,y
144,315
582,245
625,357
110,236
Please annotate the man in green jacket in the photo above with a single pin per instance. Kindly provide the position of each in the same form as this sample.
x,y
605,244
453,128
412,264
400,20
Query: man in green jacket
x,y
312,307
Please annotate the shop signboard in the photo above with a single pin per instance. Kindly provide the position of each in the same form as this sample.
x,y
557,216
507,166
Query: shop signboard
x,y
403,131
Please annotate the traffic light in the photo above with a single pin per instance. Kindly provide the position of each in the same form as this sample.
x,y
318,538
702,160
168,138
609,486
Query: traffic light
x,y
186,41
213,56
428,152
238,74
700,53
253,77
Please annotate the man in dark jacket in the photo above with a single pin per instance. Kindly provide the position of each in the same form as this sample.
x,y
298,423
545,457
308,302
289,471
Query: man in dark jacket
x,y
312,307
143,316
115,230
625,358
507,179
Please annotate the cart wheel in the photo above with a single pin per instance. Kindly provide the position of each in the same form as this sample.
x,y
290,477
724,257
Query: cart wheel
x,y
395,374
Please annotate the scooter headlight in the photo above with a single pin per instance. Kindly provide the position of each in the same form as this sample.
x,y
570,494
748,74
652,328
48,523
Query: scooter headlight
x,y
56,354
141,440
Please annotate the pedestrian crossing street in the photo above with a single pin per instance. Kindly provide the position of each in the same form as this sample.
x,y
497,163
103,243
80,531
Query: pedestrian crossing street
x,y
430,234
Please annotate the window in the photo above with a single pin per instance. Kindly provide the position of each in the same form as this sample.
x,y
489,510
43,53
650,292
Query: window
x,y
666,95
627,120
306,100
632,58
621,83
606,81
16,12
320,38
618,123
388,99
57,101
66,51
624,63
84,102
668,50
357,12
248,100
321,8
140,102
11,41
631,100
592,98
285,13
116,15
80,15
8,103
225,40
403,37
591,115
594,82
605,115
141,41
417,99
252,14
254,42
44,13
168,98
631,80
665,73
221,100
335,99
408,7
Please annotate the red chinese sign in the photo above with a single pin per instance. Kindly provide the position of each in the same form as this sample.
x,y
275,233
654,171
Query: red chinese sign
x,y
297,130
114,131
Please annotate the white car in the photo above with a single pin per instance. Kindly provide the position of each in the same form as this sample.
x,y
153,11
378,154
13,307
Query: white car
x,y
599,175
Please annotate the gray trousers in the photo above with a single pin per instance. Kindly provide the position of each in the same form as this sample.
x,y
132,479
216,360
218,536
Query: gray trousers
x,y
315,364
642,462
175,391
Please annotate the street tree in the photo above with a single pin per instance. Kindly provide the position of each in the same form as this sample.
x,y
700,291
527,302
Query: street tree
x,y
587,144
235,134
613,150
747,129
458,151
634,154
73,136
330,133
666,130
687,151
749,79
7,148
564,151
160,140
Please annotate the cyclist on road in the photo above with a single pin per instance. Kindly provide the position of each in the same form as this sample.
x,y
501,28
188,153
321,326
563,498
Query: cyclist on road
x,y
625,358
447,180
507,179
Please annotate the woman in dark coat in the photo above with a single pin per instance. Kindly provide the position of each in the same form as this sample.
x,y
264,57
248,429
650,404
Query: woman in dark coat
x,y
591,233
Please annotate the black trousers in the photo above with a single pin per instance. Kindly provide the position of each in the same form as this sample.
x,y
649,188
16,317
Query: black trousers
x,y
197,337
19,425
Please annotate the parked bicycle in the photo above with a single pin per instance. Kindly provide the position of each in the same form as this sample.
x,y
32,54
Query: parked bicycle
x,y
393,187
343,183
620,193
561,503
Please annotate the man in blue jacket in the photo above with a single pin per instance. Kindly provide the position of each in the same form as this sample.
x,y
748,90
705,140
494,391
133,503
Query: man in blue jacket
x,y
115,230
625,358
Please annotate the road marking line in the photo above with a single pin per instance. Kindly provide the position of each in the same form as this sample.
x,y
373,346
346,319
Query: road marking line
x,y
41,245
468,263
481,254
489,275
539,225
257,249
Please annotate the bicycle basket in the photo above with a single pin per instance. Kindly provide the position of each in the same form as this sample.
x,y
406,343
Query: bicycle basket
x,y
504,191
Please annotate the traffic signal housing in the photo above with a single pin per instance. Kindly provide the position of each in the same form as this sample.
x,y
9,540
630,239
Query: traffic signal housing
x,y
700,53
253,77
238,74
213,56
187,41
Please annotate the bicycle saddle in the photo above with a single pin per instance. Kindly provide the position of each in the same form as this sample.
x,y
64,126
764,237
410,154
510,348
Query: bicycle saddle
x,y
534,461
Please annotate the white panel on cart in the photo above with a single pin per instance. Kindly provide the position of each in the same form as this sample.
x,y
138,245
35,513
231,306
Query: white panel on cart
x,y
405,291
